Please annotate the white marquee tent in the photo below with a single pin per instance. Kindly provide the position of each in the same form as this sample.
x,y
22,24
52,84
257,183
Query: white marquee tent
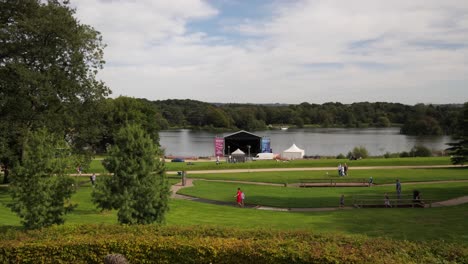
x,y
238,156
293,153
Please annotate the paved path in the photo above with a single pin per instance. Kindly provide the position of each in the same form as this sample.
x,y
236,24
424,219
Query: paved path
x,y
189,183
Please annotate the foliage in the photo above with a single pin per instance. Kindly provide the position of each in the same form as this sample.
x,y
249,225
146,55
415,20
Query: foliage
x,y
48,67
420,151
358,153
430,119
340,156
40,190
138,189
117,113
459,150
90,244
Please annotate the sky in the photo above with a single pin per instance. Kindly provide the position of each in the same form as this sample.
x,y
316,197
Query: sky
x,y
283,51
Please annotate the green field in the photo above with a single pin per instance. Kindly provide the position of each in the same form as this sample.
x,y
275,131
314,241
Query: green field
x,y
311,163
380,176
444,223
447,223
293,197
96,164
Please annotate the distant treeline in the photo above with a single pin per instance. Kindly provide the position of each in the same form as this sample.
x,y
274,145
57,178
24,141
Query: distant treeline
x,y
420,119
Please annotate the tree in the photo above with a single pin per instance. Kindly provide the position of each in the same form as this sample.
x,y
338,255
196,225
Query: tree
x,y
358,153
48,67
40,190
138,189
459,150
420,151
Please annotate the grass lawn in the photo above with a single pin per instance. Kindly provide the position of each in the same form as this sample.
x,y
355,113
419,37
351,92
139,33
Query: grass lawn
x,y
419,161
447,223
96,164
380,176
292,197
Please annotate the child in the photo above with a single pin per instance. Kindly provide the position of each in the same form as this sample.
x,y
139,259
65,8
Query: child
x,y
243,198
342,201
387,201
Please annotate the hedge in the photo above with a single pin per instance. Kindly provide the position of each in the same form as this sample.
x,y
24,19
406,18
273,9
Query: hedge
x,y
153,244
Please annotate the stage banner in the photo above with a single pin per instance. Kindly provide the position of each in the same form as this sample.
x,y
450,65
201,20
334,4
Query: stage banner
x,y
219,146
266,145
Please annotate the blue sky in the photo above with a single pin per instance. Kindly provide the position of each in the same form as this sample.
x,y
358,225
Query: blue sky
x,y
284,51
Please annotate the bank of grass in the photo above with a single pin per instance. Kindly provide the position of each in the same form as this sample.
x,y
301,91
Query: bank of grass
x,y
314,197
380,176
447,223
309,163
96,164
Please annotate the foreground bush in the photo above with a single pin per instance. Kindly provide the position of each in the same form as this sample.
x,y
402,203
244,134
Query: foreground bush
x,y
151,244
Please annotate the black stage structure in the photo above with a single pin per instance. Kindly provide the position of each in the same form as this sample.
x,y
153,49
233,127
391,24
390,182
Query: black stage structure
x,y
247,142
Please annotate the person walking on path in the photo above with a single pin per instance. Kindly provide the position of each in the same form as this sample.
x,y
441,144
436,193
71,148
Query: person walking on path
x,y
239,197
398,188
345,169
93,179
342,201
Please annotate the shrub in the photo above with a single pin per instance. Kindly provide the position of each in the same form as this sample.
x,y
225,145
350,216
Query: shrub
x,y
420,151
152,244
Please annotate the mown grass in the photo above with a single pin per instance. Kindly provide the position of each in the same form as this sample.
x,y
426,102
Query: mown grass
x,y
291,197
448,223
418,161
380,176
96,164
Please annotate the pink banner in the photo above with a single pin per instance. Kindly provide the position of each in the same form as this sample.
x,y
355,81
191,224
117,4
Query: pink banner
x,y
219,146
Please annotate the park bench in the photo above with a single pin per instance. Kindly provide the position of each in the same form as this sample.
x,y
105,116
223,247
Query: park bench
x,y
373,201
333,182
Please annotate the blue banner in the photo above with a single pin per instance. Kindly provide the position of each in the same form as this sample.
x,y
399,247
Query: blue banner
x,y
266,145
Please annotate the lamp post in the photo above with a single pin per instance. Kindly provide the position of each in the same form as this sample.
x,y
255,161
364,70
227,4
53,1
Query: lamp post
x,y
248,149
229,154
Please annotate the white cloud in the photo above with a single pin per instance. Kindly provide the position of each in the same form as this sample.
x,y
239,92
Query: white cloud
x,y
315,51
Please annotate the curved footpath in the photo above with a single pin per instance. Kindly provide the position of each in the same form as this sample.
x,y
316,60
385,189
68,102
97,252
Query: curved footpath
x,y
189,183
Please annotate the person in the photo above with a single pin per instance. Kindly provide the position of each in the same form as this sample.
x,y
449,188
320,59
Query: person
x,y
239,197
93,179
387,201
243,198
398,188
371,181
217,160
345,169
79,170
342,201
417,198
339,169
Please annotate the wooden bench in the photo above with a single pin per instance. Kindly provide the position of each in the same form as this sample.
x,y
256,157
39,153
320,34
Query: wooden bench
x,y
333,182
405,201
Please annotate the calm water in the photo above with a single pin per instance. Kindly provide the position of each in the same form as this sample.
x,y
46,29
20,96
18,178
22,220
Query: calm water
x,y
315,141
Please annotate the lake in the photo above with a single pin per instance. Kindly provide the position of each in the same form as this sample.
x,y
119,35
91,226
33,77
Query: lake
x,y
315,141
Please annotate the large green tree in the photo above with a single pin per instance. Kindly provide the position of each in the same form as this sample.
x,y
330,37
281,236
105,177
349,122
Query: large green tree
x,y
459,150
138,188
40,189
48,67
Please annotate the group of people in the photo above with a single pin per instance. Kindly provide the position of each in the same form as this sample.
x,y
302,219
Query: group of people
x,y
342,170
240,197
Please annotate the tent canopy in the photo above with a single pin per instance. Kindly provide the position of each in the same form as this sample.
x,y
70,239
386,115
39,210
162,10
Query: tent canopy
x,y
238,152
293,152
